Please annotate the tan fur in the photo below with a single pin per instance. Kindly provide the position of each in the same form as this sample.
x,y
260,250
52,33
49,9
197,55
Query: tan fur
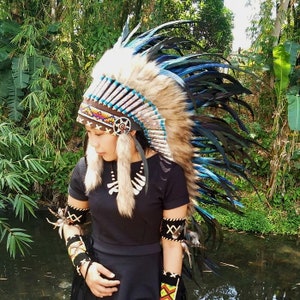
x,y
125,198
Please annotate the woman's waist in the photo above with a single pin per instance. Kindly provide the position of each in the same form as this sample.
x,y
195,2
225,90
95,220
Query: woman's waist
x,y
125,249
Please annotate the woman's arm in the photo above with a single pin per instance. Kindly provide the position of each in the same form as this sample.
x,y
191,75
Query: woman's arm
x,y
90,270
172,250
71,230
172,232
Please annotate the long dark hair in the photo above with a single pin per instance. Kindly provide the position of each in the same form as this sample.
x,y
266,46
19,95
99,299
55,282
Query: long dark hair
x,y
142,140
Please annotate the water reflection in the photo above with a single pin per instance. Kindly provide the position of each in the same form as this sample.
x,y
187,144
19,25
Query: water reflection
x,y
253,268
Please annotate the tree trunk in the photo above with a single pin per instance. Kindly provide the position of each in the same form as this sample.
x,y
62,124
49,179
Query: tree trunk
x,y
280,18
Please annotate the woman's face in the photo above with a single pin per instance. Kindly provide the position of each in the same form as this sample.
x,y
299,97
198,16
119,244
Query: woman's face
x,y
103,142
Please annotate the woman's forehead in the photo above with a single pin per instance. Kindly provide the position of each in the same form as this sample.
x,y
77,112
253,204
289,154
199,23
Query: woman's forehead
x,y
94,130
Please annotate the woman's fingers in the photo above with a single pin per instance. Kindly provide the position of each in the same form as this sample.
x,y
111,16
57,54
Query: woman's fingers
x,y
99,282
99,290
104,287
104,271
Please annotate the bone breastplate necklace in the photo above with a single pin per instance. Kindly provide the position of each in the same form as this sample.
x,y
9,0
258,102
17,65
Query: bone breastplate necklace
x,y
138,181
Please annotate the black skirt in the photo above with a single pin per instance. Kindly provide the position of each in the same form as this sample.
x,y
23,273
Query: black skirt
x,y
139,276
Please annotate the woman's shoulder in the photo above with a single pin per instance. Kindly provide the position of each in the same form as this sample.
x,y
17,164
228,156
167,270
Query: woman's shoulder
x,y
80,167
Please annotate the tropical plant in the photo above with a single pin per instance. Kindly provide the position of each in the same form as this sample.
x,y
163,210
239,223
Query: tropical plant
x,y
19,171
276,52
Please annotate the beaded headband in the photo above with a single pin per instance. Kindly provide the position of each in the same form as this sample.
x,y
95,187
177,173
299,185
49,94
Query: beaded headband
x,y
95,115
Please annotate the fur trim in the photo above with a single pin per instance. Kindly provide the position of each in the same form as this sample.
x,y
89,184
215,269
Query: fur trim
x,y
125,197
94,170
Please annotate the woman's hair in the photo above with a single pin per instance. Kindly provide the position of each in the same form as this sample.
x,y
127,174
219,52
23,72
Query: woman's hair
x,y
142,139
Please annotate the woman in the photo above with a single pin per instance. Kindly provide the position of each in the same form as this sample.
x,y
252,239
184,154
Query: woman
x,y
126,258
140,175
131,182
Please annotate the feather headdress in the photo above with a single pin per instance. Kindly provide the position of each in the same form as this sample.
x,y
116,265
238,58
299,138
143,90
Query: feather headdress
x,y
164,92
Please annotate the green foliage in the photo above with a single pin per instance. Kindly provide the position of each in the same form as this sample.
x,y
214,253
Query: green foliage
x,y
61,171
282,69
26,87
16,238
293,98
261,31
214,27
274,60
286,76
258,219
19,171
294,86
214,22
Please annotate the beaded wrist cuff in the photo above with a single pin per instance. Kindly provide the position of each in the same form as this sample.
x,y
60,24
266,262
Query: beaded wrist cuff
x,y
79,260
169,286
77,251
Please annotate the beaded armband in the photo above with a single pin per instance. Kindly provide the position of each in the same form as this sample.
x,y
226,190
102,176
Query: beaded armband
x,y
173,229
169,286
77,251
68,216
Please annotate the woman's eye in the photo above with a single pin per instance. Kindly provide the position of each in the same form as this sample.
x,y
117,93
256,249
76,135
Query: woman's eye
x,y
95,133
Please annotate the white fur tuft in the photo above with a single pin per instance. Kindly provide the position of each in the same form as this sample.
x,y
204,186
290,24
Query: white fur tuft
x,y
125,198
94,169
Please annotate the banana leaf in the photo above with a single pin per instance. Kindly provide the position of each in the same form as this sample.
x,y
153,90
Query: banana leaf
x,y
294,108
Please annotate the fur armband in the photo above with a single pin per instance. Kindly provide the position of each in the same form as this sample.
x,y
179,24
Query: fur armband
x,y
169,286
77,251
173,229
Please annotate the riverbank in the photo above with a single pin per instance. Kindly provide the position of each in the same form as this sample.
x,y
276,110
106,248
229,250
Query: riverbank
x,y
259,218
251,266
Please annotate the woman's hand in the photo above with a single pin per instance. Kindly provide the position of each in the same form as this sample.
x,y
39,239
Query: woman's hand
x,y
100,280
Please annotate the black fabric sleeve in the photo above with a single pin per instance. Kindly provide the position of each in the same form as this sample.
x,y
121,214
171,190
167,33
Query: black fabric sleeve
x,y
76,185
176,193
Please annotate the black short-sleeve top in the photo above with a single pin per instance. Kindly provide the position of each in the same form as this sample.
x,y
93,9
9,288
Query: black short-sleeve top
x,y
140,234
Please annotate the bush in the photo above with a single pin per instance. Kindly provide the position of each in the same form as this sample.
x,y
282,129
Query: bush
x,y
19,171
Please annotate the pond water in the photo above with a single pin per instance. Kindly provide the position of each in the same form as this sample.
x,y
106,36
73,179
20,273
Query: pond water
x,y
253,267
